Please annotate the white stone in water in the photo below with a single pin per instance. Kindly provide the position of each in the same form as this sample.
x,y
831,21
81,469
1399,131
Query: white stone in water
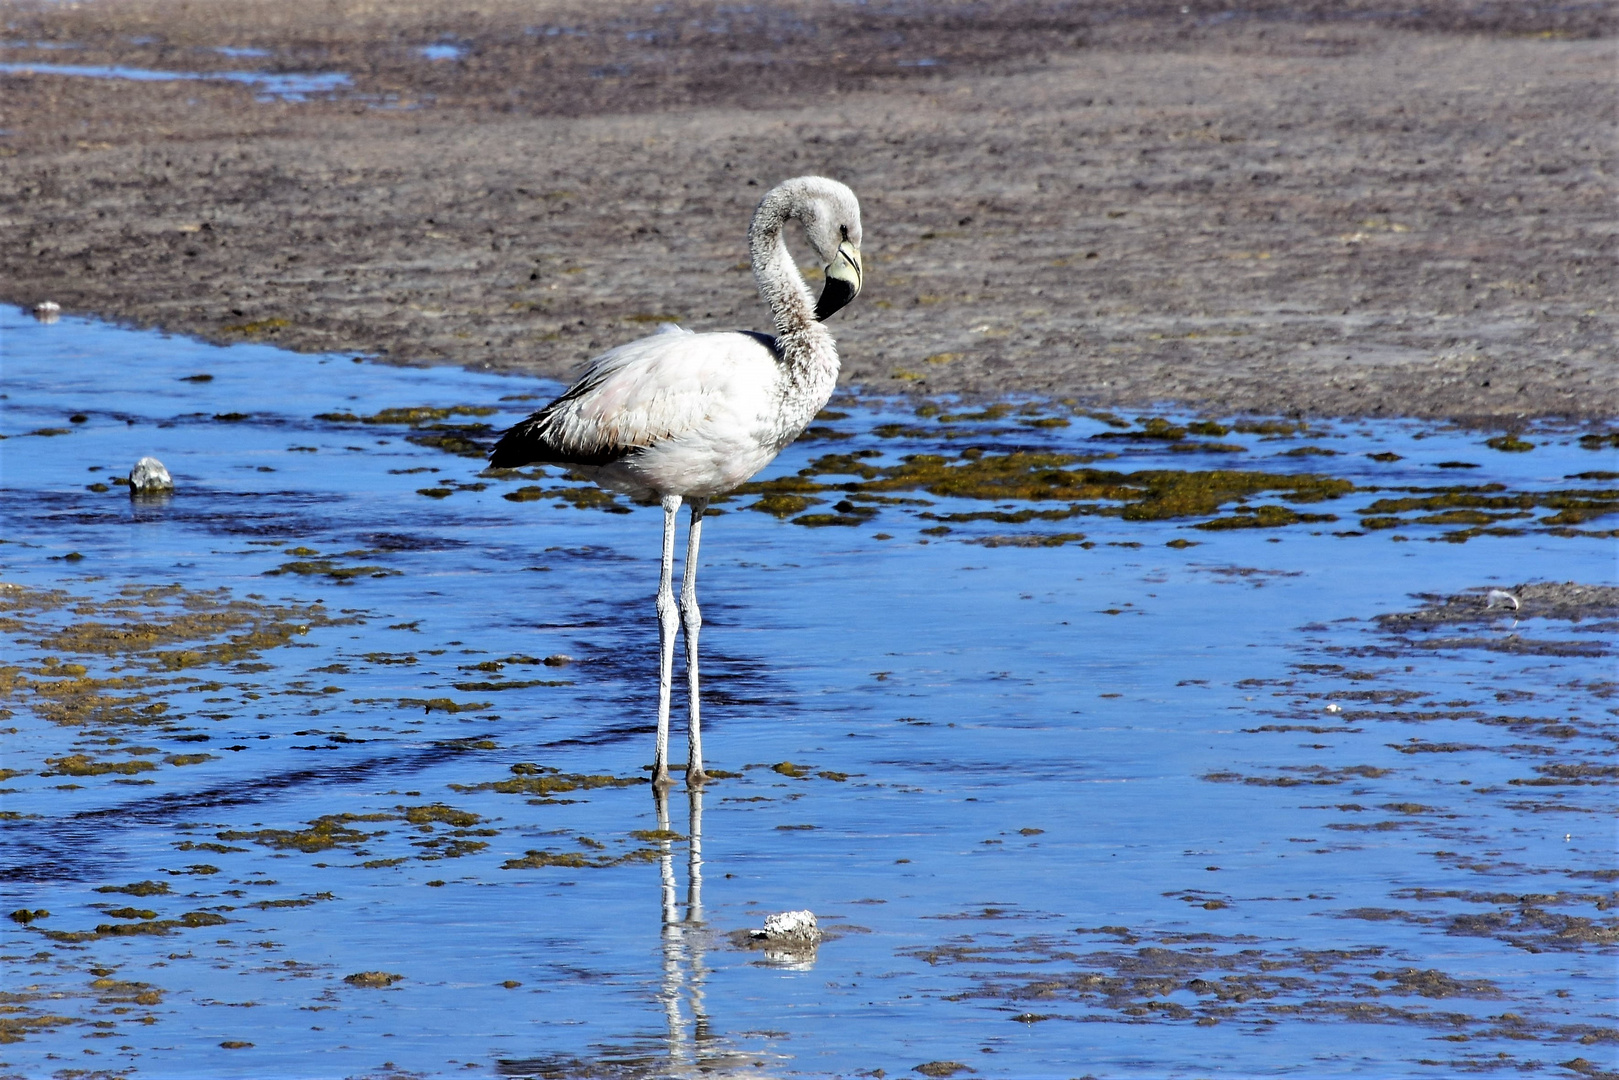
x,y
47,311
790,926
149,477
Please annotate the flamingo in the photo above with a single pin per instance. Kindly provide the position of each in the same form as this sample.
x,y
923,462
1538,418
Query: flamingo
x,y
681,416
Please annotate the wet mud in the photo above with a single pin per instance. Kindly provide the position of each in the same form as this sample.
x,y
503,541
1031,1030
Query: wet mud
x,y
1089,738
1226,209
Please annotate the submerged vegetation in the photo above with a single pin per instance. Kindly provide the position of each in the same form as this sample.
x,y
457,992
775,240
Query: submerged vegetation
x,y
227,705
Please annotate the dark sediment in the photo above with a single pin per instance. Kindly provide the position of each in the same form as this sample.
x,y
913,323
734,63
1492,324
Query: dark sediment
x,y
1332,209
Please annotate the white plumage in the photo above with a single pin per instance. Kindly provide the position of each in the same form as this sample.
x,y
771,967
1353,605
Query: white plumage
x,y
684,416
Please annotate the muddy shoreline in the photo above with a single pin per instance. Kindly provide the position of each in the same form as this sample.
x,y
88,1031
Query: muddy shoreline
x,y
1305,210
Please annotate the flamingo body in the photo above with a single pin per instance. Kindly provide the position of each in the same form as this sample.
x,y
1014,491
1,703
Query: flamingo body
x,y
676,413
684,416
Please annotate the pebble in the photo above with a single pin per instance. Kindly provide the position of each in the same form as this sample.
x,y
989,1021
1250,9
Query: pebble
x,y
798,927
149,477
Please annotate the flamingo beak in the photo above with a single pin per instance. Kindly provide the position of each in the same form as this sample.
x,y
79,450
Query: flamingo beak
x,y
843,281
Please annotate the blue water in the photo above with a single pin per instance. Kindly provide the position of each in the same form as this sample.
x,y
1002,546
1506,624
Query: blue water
x,y
296,86
969,694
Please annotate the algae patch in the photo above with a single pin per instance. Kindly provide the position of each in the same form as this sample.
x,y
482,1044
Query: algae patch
x,y
1033,476
323,833
531,779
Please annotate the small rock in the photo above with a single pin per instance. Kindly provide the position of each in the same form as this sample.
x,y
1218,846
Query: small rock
x,y
558,660
790,927
47,311
149,477
1335,708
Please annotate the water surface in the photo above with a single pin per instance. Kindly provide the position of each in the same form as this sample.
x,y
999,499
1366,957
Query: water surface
x,y
333,763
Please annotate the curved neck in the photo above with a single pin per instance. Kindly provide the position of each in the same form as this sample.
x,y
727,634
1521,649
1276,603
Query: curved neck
x,y
799,334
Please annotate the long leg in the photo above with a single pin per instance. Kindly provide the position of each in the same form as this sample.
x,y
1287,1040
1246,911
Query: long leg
x,y
692,618
668,616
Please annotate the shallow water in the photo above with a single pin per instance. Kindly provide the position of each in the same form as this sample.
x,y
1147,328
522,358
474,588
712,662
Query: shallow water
x,y
1068,799
295,86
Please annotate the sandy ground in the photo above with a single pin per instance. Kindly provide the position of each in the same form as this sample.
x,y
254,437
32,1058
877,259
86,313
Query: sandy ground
x,y
1314,208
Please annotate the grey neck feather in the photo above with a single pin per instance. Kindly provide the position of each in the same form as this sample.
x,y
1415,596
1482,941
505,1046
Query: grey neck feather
x,y
801,337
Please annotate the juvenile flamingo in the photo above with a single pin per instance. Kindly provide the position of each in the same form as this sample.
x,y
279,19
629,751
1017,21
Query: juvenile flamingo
x,y
686,416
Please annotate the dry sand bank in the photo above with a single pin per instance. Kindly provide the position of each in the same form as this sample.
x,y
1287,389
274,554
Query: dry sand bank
x,y
1302,208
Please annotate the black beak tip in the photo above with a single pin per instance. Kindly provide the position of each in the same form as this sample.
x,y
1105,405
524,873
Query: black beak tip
x,y
834,297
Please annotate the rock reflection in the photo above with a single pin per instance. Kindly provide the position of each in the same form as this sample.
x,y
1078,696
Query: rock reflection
x,y
690,1047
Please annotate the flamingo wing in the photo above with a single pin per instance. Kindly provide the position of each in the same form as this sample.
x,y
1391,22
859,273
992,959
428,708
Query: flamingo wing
x,y
641,394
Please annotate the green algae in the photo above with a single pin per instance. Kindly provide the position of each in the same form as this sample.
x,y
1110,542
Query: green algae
x,y
443,704
580,498
171,615
579,860
448,815
80,765
324,833
453,848
797,485
846,514
1484,506
1207,448
17,1024
292,902
1312,774
163,629
219,849
461,440
191,920
372,980
1510,444
1029,540
1153,429
987,414
1481,497
1010,517
530,779
138,888
257,327
1264,517
783,505
517,684
461,745
1146,495
412,415
329,569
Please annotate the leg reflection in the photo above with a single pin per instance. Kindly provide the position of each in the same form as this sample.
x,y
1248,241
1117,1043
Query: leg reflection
x,y
684,969
694,914
674,946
